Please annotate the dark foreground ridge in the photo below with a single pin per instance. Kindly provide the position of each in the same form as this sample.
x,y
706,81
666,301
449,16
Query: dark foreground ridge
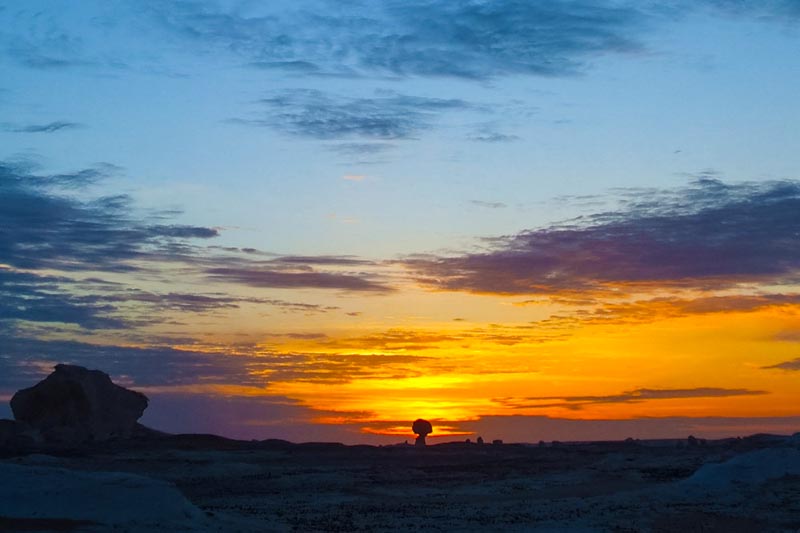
x,y
108,473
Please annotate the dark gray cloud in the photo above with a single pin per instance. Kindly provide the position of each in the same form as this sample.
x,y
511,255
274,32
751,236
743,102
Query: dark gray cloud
x,y
632,396
387,116
50,127
707,234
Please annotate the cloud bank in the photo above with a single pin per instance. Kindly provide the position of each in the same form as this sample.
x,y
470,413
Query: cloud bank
x,y
632,396
709,234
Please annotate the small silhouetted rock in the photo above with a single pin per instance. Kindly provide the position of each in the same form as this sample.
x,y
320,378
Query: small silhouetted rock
x,y
74,405
468,441
542,444
497,441
421,428
480,440
692,440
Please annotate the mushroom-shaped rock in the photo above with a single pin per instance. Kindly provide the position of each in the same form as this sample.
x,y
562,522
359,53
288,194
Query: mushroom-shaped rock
x,y
421,428
74,404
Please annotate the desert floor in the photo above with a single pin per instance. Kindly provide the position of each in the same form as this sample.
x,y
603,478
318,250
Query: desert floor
x,y
205,483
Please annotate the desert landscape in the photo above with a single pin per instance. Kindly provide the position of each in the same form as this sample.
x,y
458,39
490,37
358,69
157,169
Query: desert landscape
x,y
65,472
400,266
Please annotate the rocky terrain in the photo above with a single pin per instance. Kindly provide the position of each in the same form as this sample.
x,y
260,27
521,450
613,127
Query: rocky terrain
x,y
144,481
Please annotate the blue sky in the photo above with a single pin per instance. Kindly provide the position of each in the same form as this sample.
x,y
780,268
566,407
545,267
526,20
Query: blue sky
x,y
693,90
373,132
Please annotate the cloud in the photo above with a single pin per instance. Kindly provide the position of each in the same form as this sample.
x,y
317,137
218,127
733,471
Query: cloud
x,y
43,229
493,137
772,9
40,228
34,298
632,396
416,340
360,149
336,272
792,335
50,127
488,205
521,428
245,372
793,365
46,227
385,116
709,234
255,276
601,311
354,177
473,40
26,360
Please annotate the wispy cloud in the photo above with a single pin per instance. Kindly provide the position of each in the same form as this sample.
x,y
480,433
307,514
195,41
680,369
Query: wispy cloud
x,y
488,205
255,276
390,39
473,40
707,234
50,127
587,311
487,135
360,149
632,396
37,298
793,365
44,229
773,9
314,114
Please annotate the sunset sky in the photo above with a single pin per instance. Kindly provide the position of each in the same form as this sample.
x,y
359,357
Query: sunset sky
x,y
321,220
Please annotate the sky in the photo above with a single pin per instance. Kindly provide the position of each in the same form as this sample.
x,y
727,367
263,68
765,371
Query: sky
x,y
319,220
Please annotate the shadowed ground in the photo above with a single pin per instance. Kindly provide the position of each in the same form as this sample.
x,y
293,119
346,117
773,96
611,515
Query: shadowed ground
x,y
749,485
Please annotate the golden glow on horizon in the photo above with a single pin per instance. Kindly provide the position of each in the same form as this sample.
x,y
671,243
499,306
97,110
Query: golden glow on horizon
x,y
579,366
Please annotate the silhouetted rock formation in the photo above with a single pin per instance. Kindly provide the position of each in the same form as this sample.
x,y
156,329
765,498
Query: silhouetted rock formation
x,y
74,404
421,428
16,435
